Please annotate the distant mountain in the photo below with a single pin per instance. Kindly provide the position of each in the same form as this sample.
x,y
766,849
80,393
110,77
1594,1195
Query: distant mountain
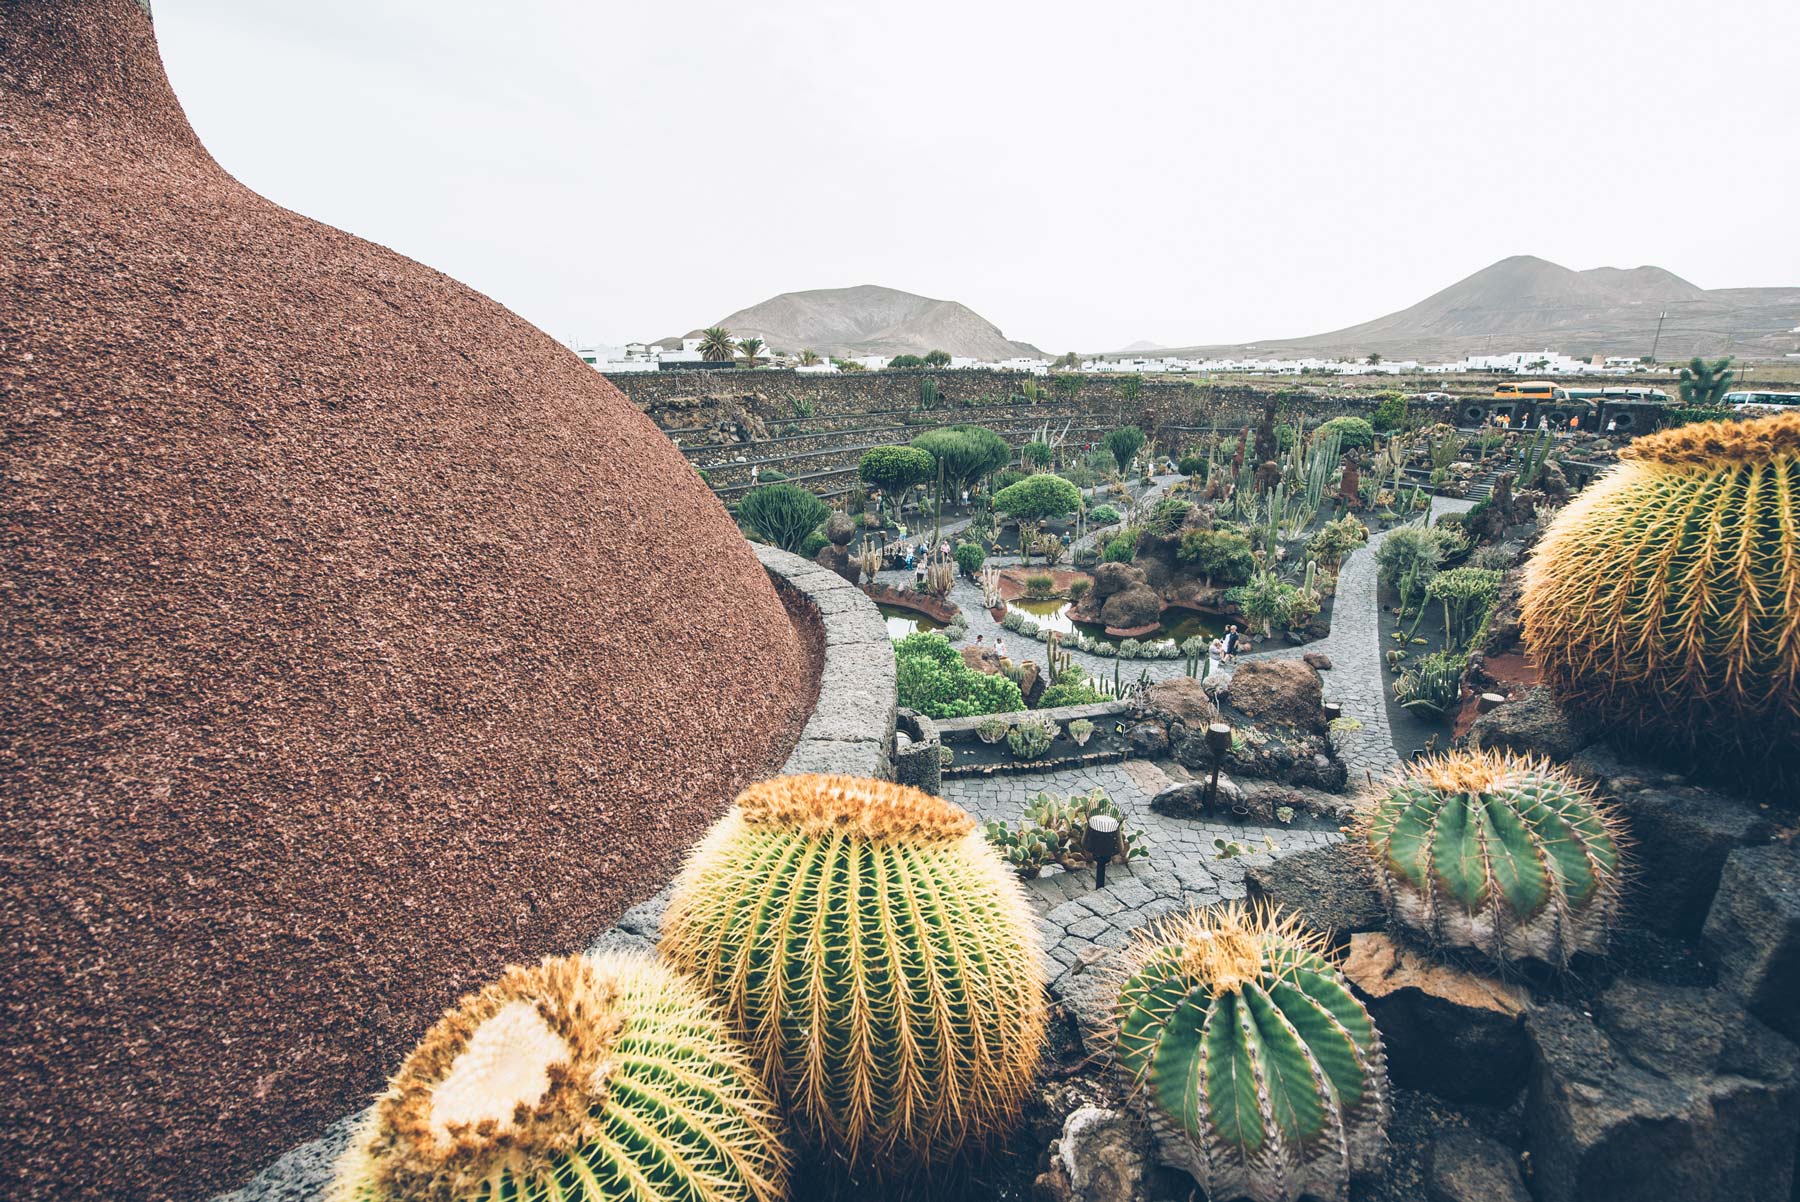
x,y
1527,303
871,320
1139,347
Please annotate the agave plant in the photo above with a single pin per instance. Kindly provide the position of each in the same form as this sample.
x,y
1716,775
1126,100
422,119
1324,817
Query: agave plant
x,y
584,1080
1496,853
879,959
1664,601
1265,1077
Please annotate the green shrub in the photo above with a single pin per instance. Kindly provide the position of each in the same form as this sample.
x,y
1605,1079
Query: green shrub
x,y
895,469
1123,443
1222,556
1352,432
770,476
1390,414
1040,584
815,543
1121,548
1191,465
1079,589
935,680
782,514
1102,515
1167,515
1007,479
1038,497
970,557
1337,539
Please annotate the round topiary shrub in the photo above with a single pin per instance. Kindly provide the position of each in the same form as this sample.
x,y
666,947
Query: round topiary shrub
x,y
879,959
545,1083
1264,1076
1498,854
1352,432
1664,601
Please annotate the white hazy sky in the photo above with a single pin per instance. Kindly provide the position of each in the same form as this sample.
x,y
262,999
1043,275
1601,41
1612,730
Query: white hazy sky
x,y
1082,174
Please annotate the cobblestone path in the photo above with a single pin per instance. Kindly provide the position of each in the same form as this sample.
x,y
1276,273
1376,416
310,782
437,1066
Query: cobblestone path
x,y
1181,869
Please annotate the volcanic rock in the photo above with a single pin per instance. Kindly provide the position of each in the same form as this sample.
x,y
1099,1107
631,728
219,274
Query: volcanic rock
x,y
1287,691
1447,1031
1665,1092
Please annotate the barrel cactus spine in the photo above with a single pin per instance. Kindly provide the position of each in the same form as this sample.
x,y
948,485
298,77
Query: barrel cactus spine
x,y
1496,853
879,959
1264,1077
1664,601
585,1080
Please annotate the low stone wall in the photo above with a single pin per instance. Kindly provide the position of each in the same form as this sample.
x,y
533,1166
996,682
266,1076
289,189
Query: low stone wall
x,y
962,730
851,730
918,762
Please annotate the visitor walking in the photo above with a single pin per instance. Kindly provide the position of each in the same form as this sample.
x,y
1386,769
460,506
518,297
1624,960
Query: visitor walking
x,y
1215,656
999,647
1228,646
755,474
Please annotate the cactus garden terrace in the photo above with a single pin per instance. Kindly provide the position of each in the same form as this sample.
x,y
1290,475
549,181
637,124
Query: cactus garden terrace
x,y
391,818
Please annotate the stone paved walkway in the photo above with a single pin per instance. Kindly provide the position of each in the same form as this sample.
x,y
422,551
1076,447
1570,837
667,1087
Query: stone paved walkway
x,y
1180,870
1357,680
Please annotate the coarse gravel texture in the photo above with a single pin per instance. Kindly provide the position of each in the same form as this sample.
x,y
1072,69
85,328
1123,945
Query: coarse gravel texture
x,y
359,641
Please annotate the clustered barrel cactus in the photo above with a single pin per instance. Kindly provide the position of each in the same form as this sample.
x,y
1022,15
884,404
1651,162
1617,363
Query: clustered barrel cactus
x,y
1265,1076
877,957
582,1080
1665,599
1499,854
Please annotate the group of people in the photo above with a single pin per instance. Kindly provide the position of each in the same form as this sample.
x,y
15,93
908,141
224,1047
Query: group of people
x,y
1223,650
918,557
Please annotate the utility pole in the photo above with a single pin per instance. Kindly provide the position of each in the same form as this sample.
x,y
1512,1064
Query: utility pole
x,y
1658,339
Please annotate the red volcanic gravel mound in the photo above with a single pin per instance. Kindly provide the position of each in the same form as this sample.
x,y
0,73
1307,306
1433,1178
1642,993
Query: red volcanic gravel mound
x,y
359,640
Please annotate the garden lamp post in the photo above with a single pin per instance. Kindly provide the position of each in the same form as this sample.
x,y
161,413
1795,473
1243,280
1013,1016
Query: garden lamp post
x,y
1218,741
1333,711
1102,842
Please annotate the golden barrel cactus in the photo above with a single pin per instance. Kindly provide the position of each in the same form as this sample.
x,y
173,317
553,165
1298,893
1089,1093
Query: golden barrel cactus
x,y
1665,599
581,1080
1263,1075
878,958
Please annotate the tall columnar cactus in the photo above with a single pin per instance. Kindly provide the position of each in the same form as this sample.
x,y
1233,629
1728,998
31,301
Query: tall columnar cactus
x,y
1503,855
1665,599
581,1080
877,956
1265,1076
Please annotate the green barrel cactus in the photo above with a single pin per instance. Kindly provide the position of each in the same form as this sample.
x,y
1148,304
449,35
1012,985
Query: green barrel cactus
x,y
1499,854
1664,601
1264,1076
579,1080
879,959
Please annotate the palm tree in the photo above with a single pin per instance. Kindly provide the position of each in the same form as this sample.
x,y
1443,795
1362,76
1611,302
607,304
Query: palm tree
x,y
809,358
751,348
1703,383
716,345
1374,358
937,358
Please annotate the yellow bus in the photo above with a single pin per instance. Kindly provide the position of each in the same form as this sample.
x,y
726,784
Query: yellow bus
x,y
1529,390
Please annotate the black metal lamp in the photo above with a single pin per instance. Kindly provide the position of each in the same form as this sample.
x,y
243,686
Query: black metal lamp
x,y
1333,711
1218,741
1102,842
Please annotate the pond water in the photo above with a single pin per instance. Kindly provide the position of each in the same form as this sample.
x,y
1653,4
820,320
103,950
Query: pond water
x,y
1053,614
902,622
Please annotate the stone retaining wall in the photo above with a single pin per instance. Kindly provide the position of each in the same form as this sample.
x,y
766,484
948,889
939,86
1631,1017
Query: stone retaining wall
x,y
816,427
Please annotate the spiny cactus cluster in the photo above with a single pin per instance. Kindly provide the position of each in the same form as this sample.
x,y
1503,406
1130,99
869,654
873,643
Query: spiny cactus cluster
x,y
877,957
579,1080
1490,852
1665,599
1265,1076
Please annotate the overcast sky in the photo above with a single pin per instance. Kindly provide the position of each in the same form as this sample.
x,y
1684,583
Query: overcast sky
x,y
1082,174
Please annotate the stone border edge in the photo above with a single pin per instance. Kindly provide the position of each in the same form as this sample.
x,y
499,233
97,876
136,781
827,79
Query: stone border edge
x,y
851,730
